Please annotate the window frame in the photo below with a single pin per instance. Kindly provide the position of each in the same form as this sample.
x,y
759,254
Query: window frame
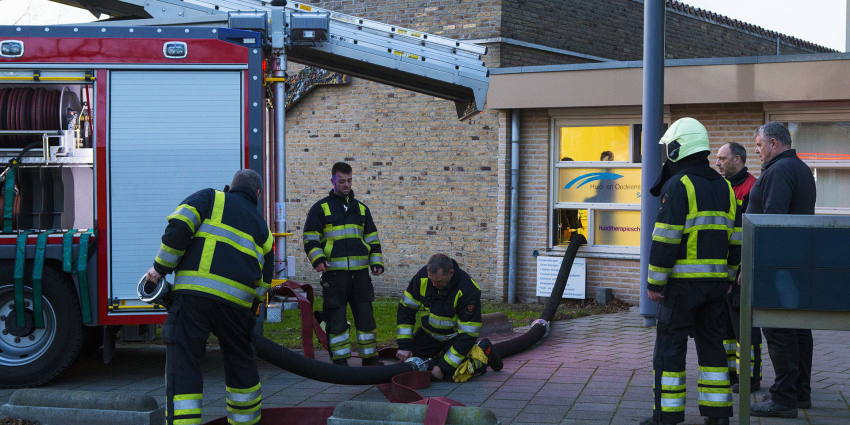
x,y
818,112
591,117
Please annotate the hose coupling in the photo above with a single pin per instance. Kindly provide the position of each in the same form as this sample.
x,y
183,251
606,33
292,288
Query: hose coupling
x,y
153,292
418,364
543,323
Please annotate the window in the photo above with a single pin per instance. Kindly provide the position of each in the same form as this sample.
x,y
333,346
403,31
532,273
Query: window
x,y
608,143
825,147
596,178
821,135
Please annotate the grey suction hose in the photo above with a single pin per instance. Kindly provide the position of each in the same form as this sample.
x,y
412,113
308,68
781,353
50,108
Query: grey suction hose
x,y
541,326
300,365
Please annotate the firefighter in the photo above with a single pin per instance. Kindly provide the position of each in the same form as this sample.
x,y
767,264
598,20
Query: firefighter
x,y
220,249
731,163
695,254
449,327
341,242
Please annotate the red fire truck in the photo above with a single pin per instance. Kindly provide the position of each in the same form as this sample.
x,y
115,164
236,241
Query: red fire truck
x,y
106,126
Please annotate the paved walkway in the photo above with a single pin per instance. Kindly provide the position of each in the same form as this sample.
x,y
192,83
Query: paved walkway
x,y
589,371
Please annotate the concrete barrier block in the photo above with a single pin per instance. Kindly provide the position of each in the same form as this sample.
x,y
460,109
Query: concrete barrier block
x,y
369,413
495,324
57,407
604,296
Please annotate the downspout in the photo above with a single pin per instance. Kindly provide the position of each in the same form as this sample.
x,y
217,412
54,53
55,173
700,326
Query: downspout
x,y
512,250
280,166
653,121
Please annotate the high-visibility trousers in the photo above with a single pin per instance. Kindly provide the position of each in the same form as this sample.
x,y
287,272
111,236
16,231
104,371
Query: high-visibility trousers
x,y
190,321
694,307
733,334
340,288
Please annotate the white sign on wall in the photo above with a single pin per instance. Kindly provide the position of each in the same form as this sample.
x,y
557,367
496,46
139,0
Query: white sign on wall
x,y
547,272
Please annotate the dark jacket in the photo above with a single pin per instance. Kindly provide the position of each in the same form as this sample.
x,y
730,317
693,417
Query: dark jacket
x,y
341,232
742,182
455,309
697,235
219,247
786,186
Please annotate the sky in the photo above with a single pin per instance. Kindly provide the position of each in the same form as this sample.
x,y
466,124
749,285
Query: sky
x,y
818,21
40,12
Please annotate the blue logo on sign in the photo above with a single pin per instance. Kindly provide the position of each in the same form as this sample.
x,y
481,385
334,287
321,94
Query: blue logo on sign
x,y
591,177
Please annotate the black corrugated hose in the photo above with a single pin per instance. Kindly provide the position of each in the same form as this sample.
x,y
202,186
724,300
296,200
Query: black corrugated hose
x,y
541,326
298,364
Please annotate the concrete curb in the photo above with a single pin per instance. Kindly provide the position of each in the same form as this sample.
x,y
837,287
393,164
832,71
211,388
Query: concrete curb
x,y
365,413
56,407
495,324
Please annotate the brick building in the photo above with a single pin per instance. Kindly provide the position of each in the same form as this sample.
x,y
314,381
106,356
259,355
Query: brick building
x,y
438,185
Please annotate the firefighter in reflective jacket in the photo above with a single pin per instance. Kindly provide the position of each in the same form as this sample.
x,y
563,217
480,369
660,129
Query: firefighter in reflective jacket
x,y
220,249
695,254
341,242
449,326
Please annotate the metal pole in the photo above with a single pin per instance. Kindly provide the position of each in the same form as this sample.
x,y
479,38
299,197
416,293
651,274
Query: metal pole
x,y
279,64
653,121
512,252
746,340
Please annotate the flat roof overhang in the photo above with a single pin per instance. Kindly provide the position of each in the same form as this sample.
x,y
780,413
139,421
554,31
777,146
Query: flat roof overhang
x,y
787,78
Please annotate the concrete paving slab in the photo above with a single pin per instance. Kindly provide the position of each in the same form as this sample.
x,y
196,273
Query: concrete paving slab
x,y
589,371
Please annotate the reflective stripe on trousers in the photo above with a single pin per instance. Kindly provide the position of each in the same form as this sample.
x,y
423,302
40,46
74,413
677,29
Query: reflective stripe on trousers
x,y
187,409
244,405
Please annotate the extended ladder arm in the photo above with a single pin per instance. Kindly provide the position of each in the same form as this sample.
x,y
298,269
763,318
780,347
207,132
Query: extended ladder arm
x,y
400,57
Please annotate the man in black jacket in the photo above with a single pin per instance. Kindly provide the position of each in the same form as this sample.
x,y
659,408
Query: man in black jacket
x,y
786,186
220,248
341,242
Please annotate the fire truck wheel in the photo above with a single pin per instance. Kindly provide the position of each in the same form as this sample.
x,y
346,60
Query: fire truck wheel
x,y
31,357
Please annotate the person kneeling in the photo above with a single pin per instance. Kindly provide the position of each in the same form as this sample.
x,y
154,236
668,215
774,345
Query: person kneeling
x,y
449,328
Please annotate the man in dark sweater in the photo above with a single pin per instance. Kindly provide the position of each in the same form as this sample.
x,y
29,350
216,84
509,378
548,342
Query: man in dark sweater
x,y
786,186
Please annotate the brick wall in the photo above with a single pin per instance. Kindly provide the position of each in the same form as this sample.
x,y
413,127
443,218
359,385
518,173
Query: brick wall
x,y
429,180
727,122
513,55
613,29
533,199
466,19
622,276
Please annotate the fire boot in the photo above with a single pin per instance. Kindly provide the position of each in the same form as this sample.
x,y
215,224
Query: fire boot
x,y
494,360
650,421
374,361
